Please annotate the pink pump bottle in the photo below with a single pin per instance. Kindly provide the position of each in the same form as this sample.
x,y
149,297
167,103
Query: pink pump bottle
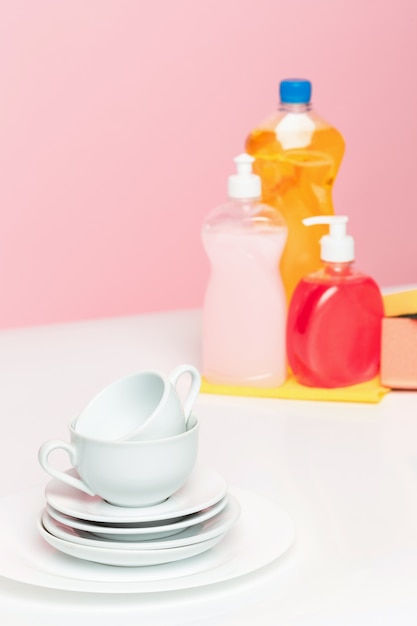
x,y
244,317
335,316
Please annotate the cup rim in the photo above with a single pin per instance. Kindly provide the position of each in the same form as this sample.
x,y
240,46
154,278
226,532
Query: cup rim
x,y
126,442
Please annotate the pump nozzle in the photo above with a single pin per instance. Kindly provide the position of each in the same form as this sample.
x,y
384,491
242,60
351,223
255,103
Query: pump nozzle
x,y
244,184
337,246
244,163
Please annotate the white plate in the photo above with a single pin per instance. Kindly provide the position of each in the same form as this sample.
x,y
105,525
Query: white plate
x,y
213,527
263,533
204,488
133,532
126,558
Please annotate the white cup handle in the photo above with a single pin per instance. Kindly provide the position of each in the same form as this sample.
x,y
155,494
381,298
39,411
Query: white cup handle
x,y
44,452
194,389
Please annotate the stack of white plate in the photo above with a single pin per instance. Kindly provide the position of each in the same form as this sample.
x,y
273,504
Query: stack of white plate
x,y
190,522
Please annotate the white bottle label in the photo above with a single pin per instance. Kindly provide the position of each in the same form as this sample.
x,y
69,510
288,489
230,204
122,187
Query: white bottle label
x,y
295,130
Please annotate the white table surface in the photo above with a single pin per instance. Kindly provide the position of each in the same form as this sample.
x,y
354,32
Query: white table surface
x,y
347,474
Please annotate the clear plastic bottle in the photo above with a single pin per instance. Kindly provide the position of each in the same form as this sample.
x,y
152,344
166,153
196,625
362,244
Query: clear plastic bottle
x,y
335,316
244,317
297,155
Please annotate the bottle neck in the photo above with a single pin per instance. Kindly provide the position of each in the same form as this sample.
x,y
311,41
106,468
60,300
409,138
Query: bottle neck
x,y
245,201
338,269
294,107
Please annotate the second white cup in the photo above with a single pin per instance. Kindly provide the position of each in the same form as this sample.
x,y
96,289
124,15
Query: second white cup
x,y
142,406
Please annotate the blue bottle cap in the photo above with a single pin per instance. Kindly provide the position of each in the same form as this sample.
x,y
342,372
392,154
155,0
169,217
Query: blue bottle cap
x,y
295,90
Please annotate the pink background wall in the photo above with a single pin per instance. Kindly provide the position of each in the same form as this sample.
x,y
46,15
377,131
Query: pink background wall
x,y
119,120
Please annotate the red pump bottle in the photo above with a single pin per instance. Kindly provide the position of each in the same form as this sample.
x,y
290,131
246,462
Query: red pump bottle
x,y
335,316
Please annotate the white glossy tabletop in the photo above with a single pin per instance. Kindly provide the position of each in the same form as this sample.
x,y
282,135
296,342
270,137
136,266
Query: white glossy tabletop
x,y
347,474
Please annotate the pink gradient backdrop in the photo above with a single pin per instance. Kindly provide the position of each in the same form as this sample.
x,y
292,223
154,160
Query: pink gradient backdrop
x,y
119,120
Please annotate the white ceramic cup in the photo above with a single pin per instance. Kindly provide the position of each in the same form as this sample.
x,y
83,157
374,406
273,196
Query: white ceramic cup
x,y
145,405
126,473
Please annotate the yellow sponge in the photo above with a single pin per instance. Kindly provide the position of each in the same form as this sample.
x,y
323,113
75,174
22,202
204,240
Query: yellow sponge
x,y
400,301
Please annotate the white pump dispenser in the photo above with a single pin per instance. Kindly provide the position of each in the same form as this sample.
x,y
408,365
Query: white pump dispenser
x,y
244,184
337,246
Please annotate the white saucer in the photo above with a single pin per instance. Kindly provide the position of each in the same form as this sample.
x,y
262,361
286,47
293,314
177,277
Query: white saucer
x,y
132,532
263,533
204,488
115,533
126,558
211,528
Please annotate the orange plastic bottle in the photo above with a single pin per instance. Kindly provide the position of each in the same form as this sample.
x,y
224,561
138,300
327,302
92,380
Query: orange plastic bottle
x,y
297,155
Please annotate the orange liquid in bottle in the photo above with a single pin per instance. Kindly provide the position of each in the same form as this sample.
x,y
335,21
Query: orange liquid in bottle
x,y
297,172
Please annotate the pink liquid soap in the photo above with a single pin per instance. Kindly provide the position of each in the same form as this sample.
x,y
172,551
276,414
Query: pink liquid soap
x,y
245,309
334,329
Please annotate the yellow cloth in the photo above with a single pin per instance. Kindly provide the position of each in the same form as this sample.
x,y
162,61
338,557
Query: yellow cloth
x,y
370,391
